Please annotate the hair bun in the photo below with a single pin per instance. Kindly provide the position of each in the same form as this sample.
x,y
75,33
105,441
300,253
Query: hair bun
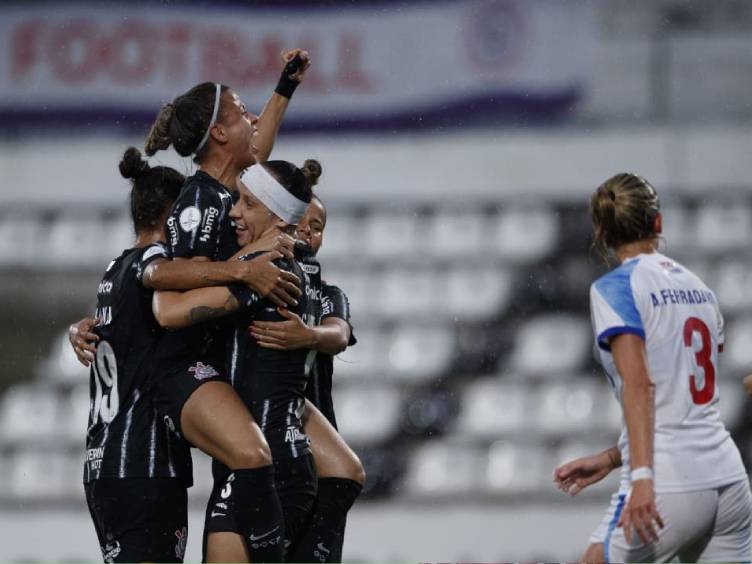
x,y
312,171
133,165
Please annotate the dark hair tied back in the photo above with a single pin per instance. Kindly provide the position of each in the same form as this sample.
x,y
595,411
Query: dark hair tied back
x,y
312,171
132,165
153,191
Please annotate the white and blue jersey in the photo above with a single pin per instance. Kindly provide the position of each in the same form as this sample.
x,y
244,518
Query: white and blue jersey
x,y
678,317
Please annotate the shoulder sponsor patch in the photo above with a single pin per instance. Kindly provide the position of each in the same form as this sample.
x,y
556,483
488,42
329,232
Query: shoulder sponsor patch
x,y
190,218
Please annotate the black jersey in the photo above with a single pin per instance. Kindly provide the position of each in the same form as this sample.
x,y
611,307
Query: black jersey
x,y
125,437
334,303
272,383
199,225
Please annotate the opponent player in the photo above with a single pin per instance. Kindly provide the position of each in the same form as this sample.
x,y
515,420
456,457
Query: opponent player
x,y
271,383
684,491
338,485
136,471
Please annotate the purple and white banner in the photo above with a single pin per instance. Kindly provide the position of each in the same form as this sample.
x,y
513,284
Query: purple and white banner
x,y
375,64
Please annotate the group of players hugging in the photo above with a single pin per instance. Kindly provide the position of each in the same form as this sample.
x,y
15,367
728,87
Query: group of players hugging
x,y
216,331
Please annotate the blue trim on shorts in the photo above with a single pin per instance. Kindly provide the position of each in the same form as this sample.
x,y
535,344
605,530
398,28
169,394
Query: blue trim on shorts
x,y
612,526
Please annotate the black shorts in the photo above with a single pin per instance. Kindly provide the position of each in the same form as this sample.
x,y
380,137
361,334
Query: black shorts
x,y
296,485
176,383
139,519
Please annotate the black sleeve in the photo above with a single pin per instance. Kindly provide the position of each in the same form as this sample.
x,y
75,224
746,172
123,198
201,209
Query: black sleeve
x,y
334,303
246,297
150,254
194,223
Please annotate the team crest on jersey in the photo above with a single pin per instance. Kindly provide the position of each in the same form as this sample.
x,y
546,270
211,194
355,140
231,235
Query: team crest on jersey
x,y
190,218
671,267
182,536
202,371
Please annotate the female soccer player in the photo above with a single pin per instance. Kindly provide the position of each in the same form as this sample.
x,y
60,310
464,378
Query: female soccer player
x,y
271,383
338,484
684,491
136,472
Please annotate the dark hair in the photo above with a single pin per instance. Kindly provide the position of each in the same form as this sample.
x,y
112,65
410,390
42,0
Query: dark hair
x,y
153,191
183,122
297,181
623,210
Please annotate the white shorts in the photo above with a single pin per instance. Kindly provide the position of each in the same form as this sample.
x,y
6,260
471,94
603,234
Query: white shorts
x,y
708,526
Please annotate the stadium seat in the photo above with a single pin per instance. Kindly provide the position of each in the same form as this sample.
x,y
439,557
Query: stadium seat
x,y
474,293
118,236
75,242
524,235
360,287
573,405
551,345
457,233
679,231
724,226
41,474
491,409
444,468
20,238
515,469
388,235
75,406
367,359
368,413
420,353
409,292
731,285
342,238
28,413
737,355
62,366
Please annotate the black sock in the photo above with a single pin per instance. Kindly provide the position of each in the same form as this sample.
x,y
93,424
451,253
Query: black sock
x,y
323,540
258,513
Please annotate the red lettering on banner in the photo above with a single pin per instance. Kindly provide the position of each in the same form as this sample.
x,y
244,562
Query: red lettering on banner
x,y
132,53
178,40
74,50
351,73
24,47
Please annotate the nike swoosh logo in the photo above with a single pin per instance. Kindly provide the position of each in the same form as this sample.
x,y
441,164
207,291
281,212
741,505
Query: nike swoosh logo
x,y
255,538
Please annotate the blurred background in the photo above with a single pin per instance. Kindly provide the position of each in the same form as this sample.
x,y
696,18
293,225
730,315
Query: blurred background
x,y
460,142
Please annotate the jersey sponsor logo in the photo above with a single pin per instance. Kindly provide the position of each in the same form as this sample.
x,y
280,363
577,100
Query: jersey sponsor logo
x,y
202,371
209,216
313,293
94,458
671,267
110,551
310,268
182,536
172,231
190,218
109,266
327,306
104,314
105,287
293,434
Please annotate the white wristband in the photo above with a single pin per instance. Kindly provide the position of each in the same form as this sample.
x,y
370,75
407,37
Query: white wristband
x,y
642,473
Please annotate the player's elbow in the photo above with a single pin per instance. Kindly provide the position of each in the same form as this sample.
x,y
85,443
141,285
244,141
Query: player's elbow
x,y
165,315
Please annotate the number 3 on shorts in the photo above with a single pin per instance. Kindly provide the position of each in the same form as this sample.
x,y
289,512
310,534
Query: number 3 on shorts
x,y
704,360
107,400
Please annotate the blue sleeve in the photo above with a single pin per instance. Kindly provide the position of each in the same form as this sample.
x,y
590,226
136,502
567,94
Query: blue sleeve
x,y
613,306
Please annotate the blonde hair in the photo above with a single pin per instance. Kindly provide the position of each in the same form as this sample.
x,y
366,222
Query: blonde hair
x,y
623,210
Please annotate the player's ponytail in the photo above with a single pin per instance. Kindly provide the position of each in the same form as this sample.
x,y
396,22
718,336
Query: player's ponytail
x,y
153,189
184,123
623,210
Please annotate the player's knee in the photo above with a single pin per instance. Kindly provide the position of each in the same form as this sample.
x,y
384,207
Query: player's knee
x,y
252,455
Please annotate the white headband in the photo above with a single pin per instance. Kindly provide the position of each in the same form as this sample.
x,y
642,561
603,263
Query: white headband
x,y
273,195
205,138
